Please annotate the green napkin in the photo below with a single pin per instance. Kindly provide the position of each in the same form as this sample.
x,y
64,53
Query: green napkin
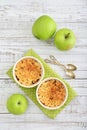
x,y
31,92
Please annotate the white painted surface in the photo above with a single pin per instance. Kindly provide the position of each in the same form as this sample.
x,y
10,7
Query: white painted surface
x,y
16,19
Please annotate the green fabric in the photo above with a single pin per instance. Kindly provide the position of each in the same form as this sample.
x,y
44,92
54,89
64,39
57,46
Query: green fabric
x,y
31,92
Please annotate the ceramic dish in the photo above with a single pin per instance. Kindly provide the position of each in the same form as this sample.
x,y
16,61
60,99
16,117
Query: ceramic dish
x,y
52,93
28,72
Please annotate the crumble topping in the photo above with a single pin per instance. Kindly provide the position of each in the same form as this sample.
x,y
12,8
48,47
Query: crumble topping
x,y
28,71
51,93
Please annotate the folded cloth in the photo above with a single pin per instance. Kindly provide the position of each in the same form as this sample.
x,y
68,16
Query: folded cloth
x,y
49,72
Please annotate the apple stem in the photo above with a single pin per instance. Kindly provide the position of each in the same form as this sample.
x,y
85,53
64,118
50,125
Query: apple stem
x,y
19,103
67,35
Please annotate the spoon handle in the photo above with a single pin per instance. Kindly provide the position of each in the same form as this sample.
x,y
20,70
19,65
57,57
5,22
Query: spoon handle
x,y
68,71
49,61
68,67
61,65
57,62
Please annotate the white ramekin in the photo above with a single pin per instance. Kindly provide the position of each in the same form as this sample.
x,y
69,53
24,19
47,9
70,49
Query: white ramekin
x,y
14,76
51,108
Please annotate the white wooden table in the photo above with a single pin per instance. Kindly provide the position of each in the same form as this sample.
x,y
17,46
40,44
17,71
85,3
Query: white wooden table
x,y
16,19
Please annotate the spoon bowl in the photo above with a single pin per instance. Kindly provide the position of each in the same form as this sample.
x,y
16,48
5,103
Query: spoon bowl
x,y
71,67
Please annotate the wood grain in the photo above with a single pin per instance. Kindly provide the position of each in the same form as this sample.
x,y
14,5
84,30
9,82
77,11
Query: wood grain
x,y
16,19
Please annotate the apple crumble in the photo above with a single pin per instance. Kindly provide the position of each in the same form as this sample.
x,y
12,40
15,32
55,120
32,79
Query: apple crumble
x,y
28,71
52,93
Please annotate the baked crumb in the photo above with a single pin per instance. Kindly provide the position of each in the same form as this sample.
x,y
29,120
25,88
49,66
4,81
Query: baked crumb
x,y
52,93
28,71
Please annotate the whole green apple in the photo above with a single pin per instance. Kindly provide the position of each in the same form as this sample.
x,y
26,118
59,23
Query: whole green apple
x,y
44,27
64,39
17,104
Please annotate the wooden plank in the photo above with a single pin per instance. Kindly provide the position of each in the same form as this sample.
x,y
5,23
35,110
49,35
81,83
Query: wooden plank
x,y
70,56
9,90
73,14
9,42
43,126
79,74
79,30
80,66
77,83
17,50
70,109
30,117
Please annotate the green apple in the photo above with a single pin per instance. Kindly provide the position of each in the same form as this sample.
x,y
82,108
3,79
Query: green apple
x,y
44,27
17,104
64,39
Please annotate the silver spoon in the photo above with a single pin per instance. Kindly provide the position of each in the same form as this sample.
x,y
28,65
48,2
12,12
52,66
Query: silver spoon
x,y
71,67
68,69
